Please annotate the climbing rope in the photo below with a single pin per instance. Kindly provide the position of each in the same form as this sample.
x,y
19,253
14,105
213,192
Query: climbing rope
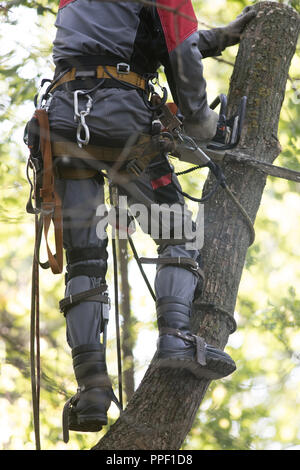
x,y
35,369
137,258
243,212
220,182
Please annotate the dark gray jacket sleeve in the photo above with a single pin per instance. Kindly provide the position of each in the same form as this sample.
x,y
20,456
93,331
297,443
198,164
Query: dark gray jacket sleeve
x,y
186,74
188,79
209,42
182,59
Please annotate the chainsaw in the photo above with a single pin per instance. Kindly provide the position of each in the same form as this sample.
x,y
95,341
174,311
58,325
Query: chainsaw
x,y
228,129
227,136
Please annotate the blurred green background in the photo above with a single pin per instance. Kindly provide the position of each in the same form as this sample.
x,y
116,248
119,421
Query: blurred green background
x,y
256,408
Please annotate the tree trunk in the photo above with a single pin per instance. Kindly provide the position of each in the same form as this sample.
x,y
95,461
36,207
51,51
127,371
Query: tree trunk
x,y
162,410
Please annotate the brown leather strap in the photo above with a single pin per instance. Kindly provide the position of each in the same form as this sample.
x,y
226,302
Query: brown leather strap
x,y
132,78
135,160
51,203
88,152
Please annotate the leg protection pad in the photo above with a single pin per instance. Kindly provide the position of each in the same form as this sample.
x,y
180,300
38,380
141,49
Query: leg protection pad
x,y
178,272
86,308
179,348
87,410
90,261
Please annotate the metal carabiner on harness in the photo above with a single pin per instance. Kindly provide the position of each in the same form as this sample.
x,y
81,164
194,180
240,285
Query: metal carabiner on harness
x,y
83,132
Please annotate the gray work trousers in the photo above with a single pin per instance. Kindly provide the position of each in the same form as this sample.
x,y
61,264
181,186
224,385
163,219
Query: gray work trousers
x,y
82,202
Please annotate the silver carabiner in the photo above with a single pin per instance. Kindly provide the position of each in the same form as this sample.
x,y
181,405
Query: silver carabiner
x,y
79,116
76,103
82,127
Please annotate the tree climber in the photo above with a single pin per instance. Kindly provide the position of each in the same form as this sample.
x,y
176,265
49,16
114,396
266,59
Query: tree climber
x,y
106,55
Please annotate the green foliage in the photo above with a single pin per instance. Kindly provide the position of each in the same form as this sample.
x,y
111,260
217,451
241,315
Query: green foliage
x,y
257,407
250,410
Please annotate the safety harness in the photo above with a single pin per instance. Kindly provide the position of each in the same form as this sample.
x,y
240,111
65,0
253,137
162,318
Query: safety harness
x,y
119,72
124,164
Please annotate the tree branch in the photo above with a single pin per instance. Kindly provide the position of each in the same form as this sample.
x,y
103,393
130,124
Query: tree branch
x,y
266,168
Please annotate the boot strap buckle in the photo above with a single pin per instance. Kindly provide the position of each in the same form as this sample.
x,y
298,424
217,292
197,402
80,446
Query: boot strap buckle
x,y
195,339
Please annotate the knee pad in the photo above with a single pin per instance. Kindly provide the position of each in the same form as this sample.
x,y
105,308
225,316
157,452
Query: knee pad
x,y
90,261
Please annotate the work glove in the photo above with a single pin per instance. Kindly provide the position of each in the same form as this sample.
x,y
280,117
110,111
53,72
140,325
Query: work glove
x,y
203,131
231,34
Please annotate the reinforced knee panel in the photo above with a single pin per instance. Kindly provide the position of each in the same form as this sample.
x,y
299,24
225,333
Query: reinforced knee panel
x,y
80,262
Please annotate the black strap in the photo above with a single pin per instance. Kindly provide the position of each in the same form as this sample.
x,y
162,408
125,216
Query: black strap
x,y
72,402
91,295
187,263
90,271
99,381
76,255
173,300
87,61
90,83
65,415
195,339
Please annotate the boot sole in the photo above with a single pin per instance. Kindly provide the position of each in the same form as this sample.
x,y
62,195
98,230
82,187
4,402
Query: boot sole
x,y
214,369
87,423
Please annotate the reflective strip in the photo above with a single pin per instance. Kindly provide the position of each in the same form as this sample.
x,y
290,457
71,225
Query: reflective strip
x,y
162,181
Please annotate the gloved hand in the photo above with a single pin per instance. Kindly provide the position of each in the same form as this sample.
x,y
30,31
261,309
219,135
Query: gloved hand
x,y
201,133
205,130
231,34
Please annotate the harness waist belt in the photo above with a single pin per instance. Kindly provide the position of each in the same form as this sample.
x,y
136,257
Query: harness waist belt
x,y
135,158
123,74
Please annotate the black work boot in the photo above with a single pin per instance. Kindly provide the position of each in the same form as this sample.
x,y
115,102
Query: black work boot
x,y
87,410
179,348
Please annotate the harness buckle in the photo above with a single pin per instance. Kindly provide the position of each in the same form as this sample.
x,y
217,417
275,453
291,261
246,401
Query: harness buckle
x,y
133,167
123,68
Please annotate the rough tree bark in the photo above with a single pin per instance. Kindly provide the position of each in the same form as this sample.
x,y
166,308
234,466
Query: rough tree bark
x,y
162,410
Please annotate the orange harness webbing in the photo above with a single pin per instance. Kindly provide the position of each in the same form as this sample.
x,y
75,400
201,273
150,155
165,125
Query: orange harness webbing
x,y
51,203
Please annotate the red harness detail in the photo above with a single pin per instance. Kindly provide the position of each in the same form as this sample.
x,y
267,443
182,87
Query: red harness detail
x,y
162,181
178,25
63,3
